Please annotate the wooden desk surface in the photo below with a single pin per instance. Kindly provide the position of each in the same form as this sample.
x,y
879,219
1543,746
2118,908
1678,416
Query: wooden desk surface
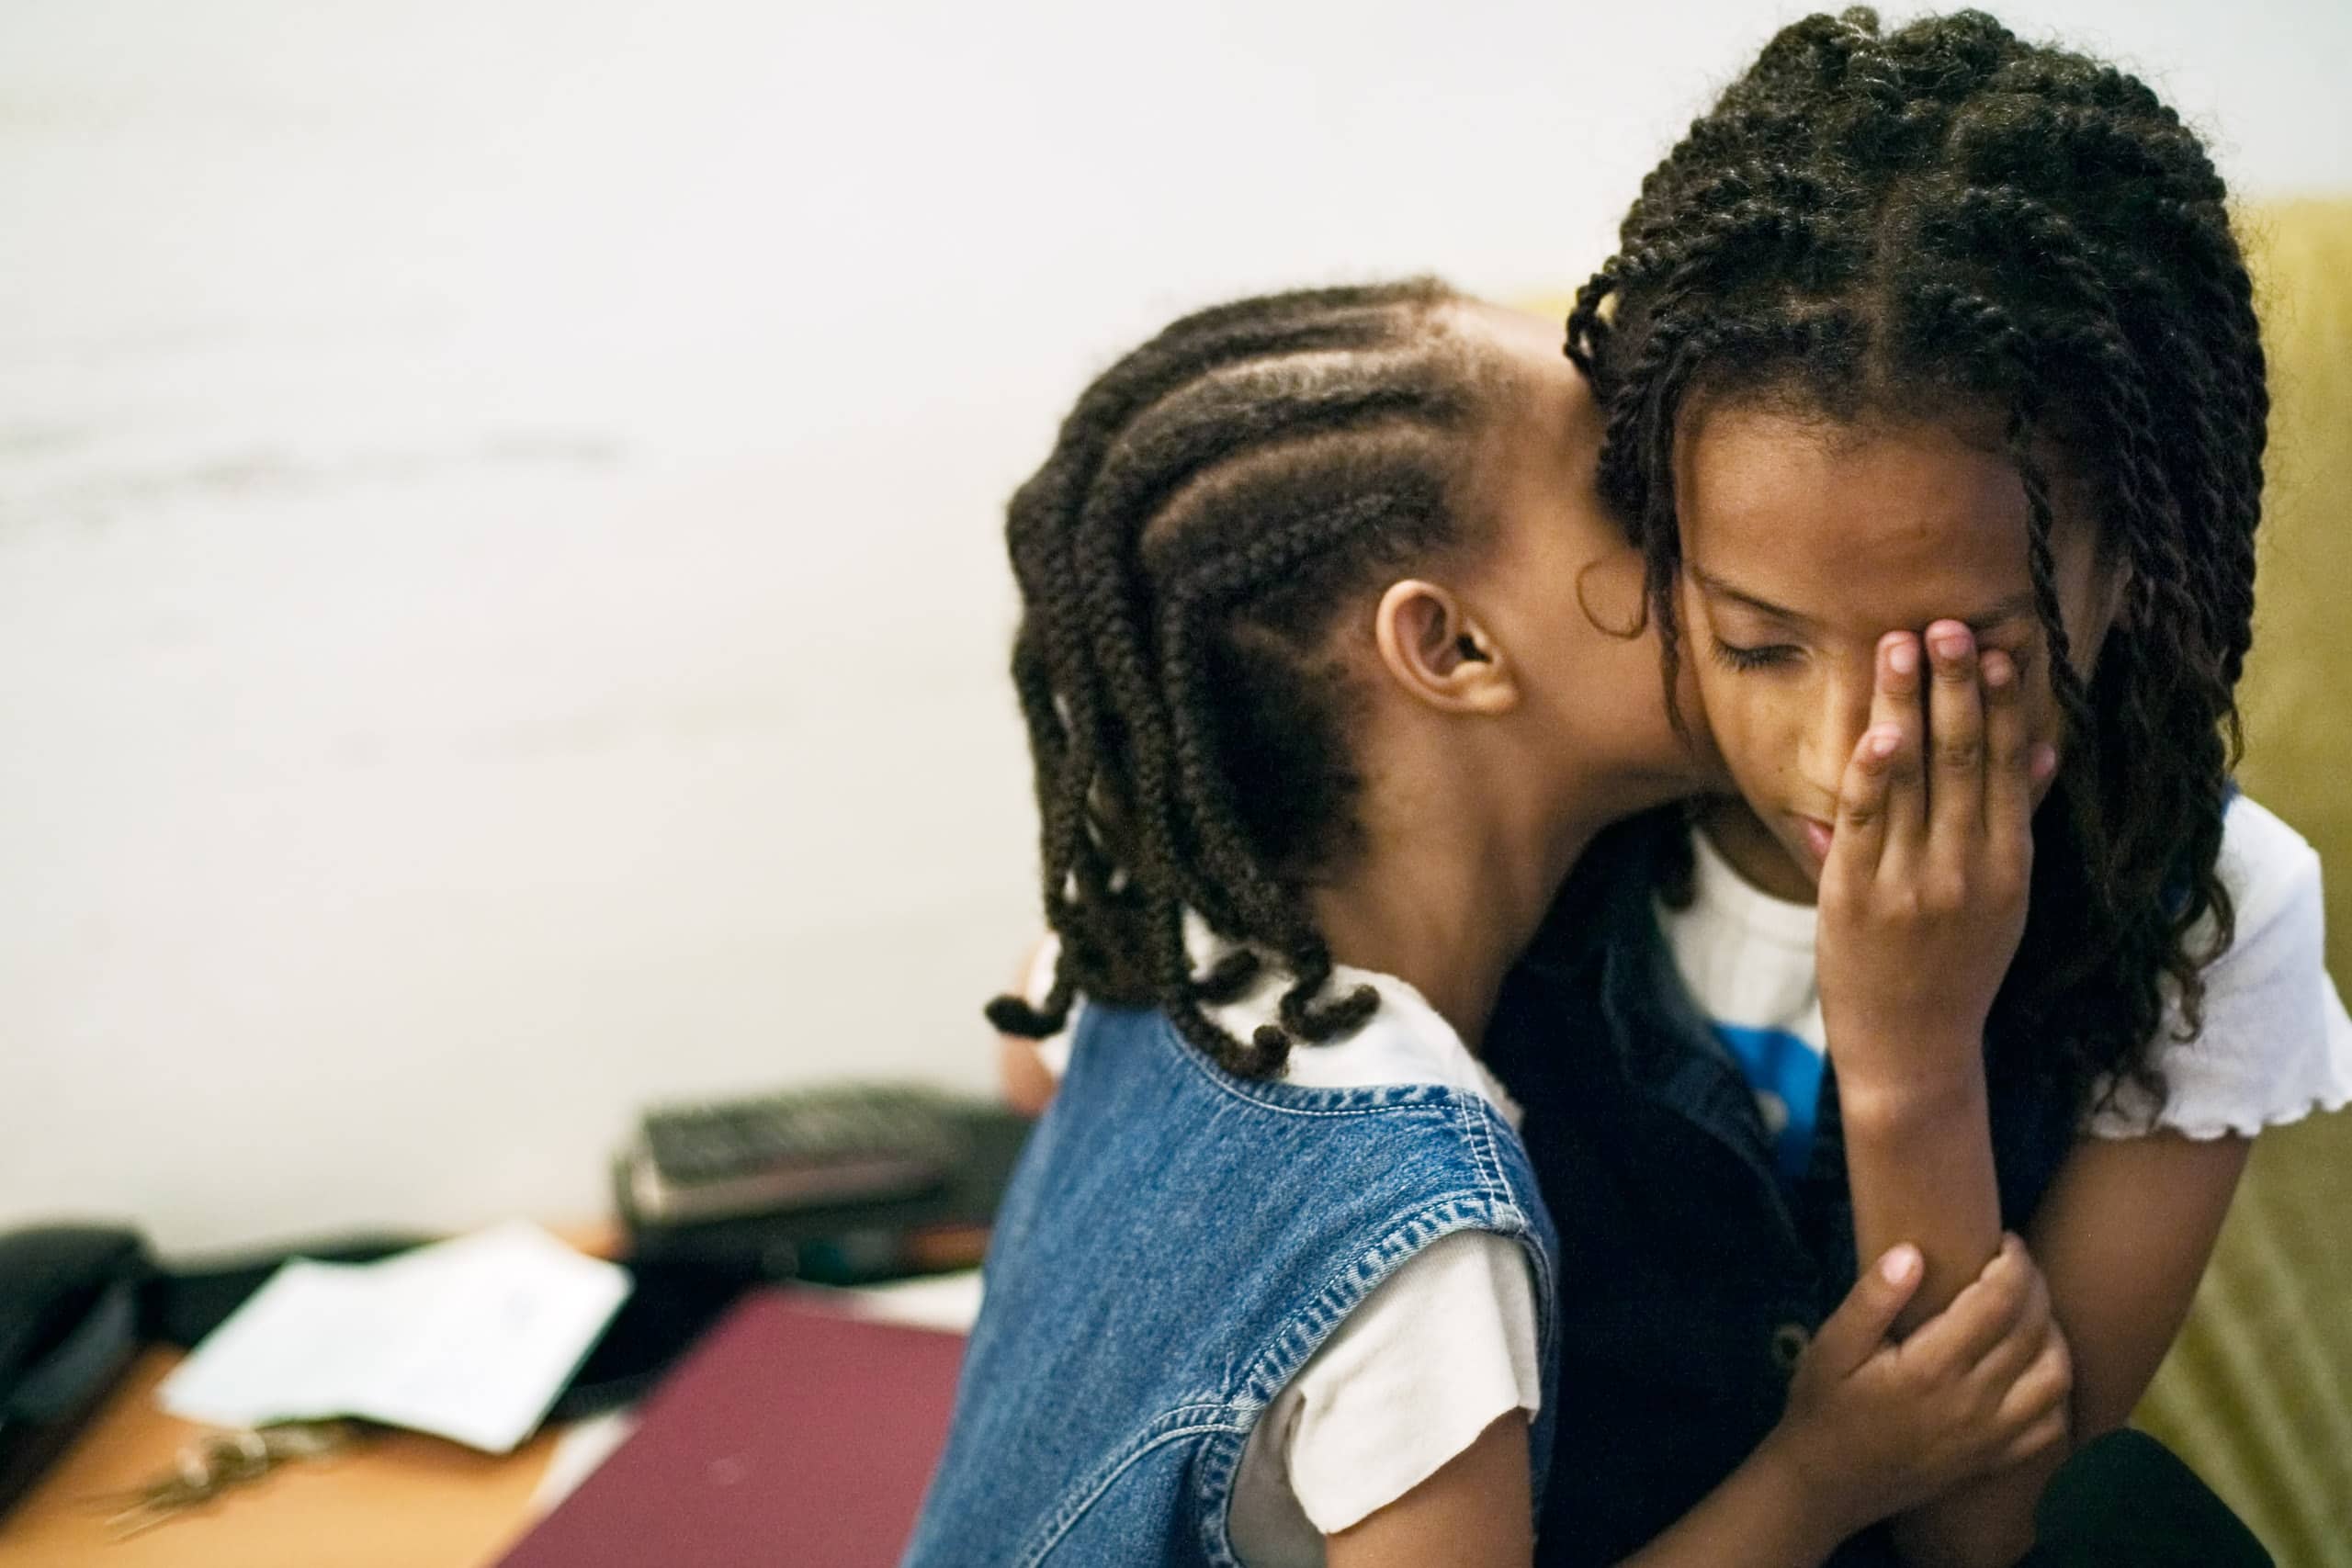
x,y
402,1501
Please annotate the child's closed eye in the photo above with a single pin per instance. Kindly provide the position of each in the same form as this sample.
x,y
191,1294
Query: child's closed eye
x,y
1731,657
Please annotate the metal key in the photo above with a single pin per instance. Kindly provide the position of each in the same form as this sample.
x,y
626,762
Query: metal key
x,y
204,1470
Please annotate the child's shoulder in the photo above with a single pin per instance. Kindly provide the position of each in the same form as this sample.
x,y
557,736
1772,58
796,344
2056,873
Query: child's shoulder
x,y
2269,870
2272,1041
1405,1041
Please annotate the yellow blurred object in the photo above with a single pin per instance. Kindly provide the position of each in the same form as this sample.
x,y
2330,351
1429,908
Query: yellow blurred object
x,y
2258,1392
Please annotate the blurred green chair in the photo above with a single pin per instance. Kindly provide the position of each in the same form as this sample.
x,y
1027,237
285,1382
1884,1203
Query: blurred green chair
x,y
2258,1392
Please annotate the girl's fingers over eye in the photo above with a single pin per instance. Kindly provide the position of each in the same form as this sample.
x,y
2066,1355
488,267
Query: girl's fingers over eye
x,y
1898,667
1955,737
1894,706
2008,753
1860,835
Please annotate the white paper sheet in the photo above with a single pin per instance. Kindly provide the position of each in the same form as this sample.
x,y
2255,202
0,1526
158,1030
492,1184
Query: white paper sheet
x,y
470,1339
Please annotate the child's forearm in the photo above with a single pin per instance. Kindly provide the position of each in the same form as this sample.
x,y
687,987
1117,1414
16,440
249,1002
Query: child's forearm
x,y
1920,1166
1919,1163
1764,1515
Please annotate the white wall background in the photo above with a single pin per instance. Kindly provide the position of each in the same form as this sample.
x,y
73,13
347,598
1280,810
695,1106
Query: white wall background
x,y
501,607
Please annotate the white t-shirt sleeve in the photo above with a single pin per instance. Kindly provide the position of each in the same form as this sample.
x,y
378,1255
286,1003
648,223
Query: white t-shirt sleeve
x,y
2275,1044
1431,1357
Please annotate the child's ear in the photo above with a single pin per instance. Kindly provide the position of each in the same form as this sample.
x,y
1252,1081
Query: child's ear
x,y
2119,605
1438,652
2125,607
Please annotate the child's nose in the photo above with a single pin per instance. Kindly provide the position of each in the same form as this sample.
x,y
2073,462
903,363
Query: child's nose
x,y
1842,711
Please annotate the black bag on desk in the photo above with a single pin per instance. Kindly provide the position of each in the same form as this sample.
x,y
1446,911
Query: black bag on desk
x,y
69,1326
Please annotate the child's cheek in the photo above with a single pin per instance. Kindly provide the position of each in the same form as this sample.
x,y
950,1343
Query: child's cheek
x,y
1746,729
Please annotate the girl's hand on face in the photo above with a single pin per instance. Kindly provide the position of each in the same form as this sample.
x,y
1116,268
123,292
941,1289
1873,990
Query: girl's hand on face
x,y
1923,893
1874,1428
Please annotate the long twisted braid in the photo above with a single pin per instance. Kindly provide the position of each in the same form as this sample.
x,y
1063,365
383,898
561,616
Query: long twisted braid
x,y
1943,219
1214,499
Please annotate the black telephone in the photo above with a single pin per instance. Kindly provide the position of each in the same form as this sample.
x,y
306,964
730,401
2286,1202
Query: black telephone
x,y
68,1325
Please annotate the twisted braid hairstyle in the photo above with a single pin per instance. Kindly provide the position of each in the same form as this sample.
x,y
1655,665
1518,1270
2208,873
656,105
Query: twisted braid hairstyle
x,y
1941,221
1214,499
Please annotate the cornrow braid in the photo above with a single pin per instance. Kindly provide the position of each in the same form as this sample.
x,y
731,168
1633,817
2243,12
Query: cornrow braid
x,y
1063,719
1946,220
1213,500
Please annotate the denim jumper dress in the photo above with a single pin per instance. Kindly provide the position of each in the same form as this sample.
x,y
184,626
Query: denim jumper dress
x,y
1175,1244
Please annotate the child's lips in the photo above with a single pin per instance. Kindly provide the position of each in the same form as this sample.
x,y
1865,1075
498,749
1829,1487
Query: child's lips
x,y
1817,836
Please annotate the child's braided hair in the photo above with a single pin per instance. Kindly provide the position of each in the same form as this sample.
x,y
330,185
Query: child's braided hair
x,y
1944,219
1213,500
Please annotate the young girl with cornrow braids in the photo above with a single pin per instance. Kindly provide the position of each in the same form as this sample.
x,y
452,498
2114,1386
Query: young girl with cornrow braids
x,y
1934,400
1317,733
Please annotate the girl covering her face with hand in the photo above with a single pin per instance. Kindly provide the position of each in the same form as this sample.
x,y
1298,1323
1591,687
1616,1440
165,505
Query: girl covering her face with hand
x,y
1935,403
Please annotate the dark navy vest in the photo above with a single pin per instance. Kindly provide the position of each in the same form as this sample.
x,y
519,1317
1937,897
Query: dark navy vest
x,y
1690,1276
